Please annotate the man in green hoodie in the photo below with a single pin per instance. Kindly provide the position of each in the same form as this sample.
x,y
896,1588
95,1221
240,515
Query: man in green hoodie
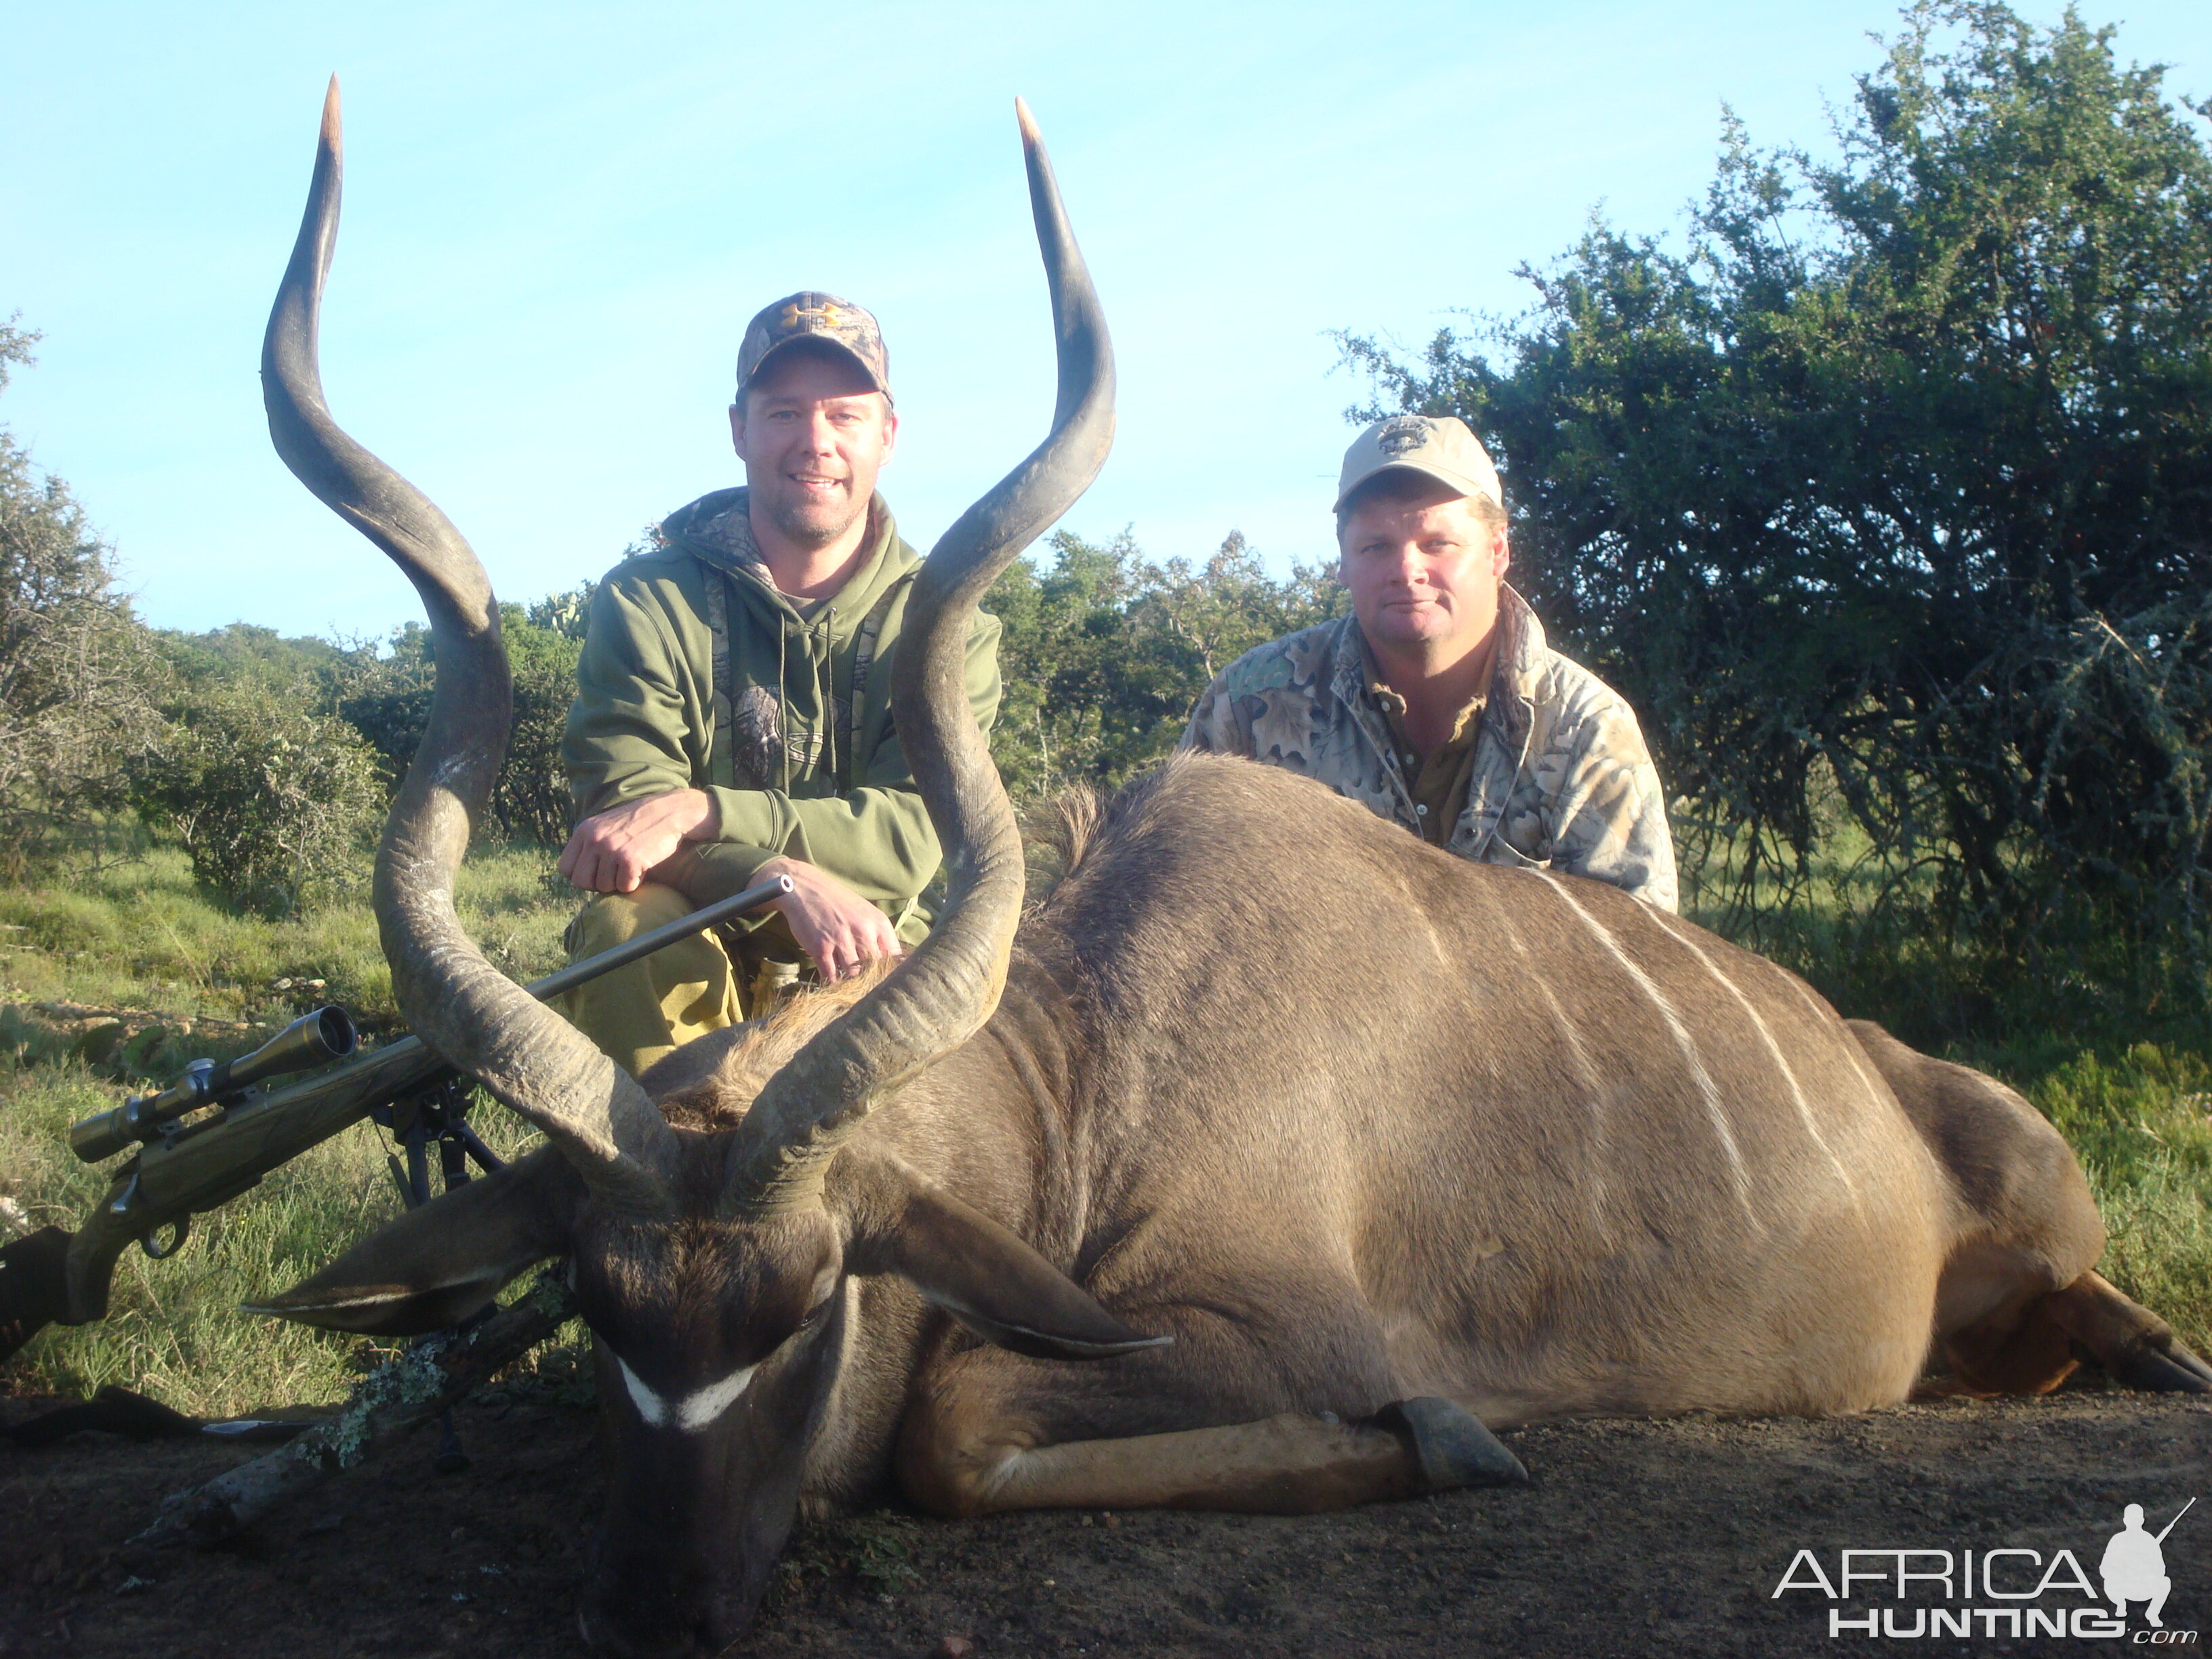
x,y
733,716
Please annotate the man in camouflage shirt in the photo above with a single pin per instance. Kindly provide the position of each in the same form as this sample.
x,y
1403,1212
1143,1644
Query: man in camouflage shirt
x,y
1437,704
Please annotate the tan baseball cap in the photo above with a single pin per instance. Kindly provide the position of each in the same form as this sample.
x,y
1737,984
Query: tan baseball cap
x,y
811,316
1439,445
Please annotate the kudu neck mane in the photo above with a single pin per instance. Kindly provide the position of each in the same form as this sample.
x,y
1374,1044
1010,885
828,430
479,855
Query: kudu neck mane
x,y
716,1098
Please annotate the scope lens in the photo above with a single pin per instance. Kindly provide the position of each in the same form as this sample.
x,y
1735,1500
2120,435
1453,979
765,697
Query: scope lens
x,y
334,1029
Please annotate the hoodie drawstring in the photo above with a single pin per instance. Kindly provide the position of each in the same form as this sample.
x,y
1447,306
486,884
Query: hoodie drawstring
x,y
783,724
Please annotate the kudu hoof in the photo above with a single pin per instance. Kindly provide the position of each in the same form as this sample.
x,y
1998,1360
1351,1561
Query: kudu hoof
x,y
1454,1448
2161,1365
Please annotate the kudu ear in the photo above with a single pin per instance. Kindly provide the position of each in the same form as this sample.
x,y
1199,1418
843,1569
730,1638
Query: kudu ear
x,y
983,1275
436,1266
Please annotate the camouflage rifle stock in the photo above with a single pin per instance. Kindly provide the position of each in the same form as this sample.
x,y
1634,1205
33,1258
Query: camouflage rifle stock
x,y
182,1169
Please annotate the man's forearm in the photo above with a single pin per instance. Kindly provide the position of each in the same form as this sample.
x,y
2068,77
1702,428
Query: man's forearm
x,y
876,839
1612,815
616,850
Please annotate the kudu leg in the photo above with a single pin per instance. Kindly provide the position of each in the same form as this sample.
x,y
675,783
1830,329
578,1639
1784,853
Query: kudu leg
x,y
2016,1296
1003,1433
2129,1340
2020,1349
2032,1349
1288,1464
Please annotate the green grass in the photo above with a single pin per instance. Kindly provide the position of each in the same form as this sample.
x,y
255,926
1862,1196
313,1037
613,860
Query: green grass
x,y
173,1330
140,935
2141,1121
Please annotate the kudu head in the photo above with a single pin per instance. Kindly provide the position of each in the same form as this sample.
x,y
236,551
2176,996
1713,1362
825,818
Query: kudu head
x,y
714,1265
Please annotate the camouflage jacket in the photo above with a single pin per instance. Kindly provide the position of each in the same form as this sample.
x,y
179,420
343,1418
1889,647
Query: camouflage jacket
x,y
1561,780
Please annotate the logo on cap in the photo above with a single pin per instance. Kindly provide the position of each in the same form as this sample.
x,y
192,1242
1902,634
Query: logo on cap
x,y
797,317
811,316
1402,435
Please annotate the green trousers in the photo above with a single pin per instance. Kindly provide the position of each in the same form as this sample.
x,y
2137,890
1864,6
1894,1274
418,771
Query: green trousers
x,y
638,1013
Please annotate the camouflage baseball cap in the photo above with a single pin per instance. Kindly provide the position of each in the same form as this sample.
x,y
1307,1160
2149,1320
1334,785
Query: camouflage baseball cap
x,y
1439,445
811,316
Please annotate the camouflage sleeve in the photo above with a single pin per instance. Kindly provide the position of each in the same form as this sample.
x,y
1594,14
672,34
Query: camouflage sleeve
x,y
1216,727
1610,816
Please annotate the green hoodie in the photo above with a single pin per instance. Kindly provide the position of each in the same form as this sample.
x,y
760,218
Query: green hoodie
x,y
793,773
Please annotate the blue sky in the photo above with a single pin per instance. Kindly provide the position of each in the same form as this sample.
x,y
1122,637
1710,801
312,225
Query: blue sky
x,y
559,217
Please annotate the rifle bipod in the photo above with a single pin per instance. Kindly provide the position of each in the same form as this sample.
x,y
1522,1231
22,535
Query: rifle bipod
x,y
439,1114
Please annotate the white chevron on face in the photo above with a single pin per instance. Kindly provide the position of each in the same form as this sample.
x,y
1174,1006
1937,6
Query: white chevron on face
x,y
694,1411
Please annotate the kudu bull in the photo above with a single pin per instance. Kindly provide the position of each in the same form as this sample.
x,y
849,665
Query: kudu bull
x,y
1320,1147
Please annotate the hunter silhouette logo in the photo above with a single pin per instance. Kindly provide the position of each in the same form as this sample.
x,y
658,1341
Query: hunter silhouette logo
x,y
2134,1567
2009,1591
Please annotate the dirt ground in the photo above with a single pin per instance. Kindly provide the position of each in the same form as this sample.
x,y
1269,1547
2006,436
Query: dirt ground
x,y
1634,1538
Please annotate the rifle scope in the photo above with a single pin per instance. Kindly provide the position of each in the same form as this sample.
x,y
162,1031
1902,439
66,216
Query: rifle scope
x,y
326,1034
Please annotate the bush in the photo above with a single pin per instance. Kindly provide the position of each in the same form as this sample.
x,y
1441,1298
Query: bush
x,y
75,665
274,805
386,697
1884,502
1105,652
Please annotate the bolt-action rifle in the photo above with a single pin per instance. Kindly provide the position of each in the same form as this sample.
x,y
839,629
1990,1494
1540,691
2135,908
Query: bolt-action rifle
x,y
219,1129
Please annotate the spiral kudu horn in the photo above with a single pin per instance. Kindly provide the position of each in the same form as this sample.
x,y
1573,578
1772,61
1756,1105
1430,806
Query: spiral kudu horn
x,y
940,995
481,1021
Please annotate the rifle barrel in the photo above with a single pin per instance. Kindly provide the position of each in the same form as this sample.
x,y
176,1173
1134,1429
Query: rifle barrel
x,y
2176,1522
576,973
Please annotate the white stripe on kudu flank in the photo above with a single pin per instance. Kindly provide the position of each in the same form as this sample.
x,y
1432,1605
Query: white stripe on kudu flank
x,y
1821,1011
1673,928
1877,1089
1585,1073
695,1411
1706,1092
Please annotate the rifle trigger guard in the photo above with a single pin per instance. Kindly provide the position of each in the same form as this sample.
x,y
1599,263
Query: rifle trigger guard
x,y
180,1230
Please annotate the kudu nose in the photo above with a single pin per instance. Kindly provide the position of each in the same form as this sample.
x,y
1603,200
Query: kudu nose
x,y
627,1626
656,1600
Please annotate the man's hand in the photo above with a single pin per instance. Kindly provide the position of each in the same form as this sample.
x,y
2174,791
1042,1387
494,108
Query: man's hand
x,y
833,924
614,851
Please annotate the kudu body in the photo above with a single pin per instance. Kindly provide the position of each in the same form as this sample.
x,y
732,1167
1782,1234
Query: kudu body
x,y
1315,1144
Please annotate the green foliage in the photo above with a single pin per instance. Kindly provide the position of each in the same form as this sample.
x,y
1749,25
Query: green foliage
x,y
874,1552
569,614
76,669
1886,503
274,805
301,668
1104,654
386,697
